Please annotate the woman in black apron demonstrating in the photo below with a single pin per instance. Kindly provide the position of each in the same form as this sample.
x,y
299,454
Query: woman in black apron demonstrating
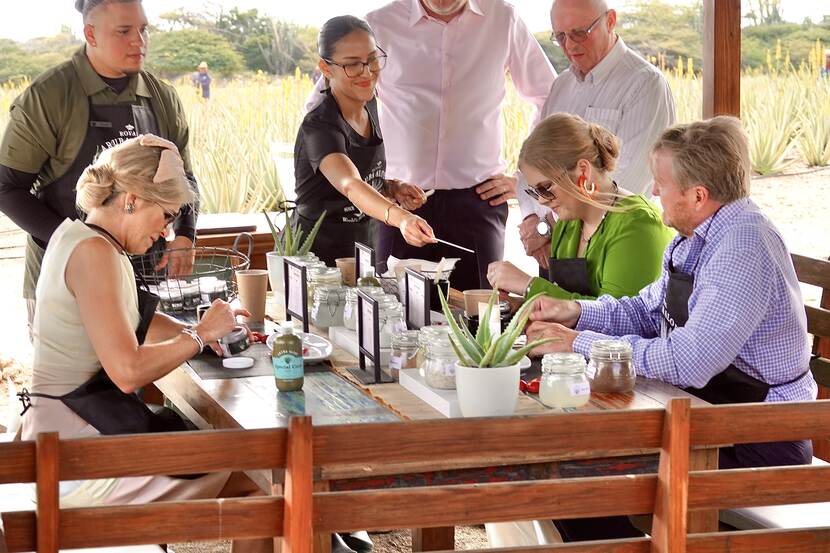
x,y
97,338
339,160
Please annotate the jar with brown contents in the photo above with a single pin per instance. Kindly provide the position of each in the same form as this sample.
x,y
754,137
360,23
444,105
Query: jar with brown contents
x,y
611,368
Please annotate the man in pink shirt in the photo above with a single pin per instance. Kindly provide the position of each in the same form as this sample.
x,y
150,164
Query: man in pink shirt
x,y
441,94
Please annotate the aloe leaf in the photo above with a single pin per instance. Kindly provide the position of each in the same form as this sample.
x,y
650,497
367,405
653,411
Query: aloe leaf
x,y
298,237
483,336
288,245
463,359
517,355
274,231
505,343
469,336
468,346
312,235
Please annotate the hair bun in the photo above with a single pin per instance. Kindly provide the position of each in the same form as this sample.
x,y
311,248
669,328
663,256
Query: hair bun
x,y
607,145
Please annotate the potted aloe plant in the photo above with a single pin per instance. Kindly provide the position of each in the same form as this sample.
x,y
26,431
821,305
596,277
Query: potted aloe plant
x,y
288,242
487,371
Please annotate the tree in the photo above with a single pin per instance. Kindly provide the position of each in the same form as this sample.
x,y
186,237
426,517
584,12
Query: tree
x,y
179,52
655,28
764,12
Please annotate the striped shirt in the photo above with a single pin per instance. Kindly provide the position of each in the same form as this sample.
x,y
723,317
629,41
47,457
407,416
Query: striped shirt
x,y
745,309
628,96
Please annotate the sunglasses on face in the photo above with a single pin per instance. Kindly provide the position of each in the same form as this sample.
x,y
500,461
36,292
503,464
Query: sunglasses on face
x,y
169,216
541,191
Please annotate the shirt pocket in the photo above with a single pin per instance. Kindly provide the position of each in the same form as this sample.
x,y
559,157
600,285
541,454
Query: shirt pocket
x,y
605,117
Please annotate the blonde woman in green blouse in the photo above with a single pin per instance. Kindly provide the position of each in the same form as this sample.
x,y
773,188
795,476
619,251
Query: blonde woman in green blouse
x,y
605,240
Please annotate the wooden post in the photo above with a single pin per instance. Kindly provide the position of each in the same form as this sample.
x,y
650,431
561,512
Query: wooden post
x,y
433,539
668,532
721,58
297,526
48,480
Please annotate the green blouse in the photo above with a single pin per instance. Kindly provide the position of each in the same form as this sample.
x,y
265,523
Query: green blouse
x,y
624,254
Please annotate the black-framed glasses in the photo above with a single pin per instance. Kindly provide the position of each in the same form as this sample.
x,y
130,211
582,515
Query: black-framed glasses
x,y
169,216
541,191
575,35
355,68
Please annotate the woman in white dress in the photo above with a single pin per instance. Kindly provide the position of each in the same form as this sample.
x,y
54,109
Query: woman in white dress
x,y
97,337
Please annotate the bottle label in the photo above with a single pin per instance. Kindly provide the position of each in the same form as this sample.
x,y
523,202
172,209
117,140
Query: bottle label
x,y
396,362
578,389
288,366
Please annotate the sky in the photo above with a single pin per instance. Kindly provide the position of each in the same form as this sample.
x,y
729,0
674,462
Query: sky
x,y
33,18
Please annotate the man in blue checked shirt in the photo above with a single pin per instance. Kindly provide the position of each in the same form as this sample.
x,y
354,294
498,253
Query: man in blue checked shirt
x,y
725,320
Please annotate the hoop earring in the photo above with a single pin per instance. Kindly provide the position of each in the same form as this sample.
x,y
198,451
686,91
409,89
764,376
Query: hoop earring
x,y
130,209
581,184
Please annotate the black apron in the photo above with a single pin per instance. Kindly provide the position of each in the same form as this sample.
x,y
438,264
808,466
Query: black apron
x,y
730,385
108,126
103,405
571,274
345,224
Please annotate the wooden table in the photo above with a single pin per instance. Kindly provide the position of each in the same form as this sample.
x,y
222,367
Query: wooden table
x,y
251,403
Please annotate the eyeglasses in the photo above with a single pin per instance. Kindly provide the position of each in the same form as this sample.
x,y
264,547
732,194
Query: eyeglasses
x,y
575,35
541,191
355,68
169,216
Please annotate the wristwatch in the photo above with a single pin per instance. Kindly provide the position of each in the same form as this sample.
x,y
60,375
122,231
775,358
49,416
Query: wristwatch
x,y
543,228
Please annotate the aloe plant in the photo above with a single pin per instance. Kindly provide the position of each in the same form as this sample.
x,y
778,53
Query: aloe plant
x,y
289,241
485,350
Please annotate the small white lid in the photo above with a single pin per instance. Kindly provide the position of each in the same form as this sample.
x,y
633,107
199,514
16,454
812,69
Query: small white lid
x,y
287,327
237,362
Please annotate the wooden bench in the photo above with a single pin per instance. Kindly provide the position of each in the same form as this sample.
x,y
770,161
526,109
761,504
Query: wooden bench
x,y
301,512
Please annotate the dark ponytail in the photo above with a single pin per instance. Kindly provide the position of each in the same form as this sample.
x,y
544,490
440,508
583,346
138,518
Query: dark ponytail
x,y
335,29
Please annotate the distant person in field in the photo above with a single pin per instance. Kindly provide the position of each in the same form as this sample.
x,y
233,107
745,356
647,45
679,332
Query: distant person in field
x,y
203,80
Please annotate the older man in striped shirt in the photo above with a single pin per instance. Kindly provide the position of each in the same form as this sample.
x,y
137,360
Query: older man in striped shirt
x,y
725,320
609,84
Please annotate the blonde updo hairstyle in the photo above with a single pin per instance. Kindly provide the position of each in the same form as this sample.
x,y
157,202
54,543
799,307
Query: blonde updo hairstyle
x,y
129,167
558,143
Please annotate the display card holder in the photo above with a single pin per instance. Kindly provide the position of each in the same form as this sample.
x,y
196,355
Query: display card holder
x,y
364,258
296,292
417,287
368,341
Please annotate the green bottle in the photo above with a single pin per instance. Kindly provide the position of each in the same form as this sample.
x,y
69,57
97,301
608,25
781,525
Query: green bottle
x,y
287,358
369,278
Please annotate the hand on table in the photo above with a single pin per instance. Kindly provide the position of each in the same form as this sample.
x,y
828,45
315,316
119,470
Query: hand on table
x,y
564,341
548,309
218,321
504,276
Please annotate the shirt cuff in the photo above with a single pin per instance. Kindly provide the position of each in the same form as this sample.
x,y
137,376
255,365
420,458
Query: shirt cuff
x,y
590,316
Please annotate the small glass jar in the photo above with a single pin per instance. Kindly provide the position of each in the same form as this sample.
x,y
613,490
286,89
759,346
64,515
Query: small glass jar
x,y
211,288
439,363
170,296
190,295
327,306
404,352
350,308
390,319
564,382
323,276
426,335
610,368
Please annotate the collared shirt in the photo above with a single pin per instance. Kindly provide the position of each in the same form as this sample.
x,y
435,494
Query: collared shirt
x,y
628,96
443,85
745,309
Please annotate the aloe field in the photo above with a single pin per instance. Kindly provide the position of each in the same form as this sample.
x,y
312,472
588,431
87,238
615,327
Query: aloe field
x,y
242,139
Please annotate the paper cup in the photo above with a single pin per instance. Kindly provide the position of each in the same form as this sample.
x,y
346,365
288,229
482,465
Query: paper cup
x,y
253,285
347,269
472,298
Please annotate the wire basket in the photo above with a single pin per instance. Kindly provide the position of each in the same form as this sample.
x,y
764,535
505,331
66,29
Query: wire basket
x,y
212,277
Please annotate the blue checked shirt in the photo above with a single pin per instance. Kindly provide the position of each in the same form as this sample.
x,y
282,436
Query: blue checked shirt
x,y
745,309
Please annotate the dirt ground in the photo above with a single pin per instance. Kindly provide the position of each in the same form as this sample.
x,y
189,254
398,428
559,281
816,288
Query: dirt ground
x,y
797,202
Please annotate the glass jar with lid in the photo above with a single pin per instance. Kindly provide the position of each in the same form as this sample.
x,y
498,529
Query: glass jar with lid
x,y
390,319
426,335
327,306
564,382
350,308
323,276
610,368
404,352
439,359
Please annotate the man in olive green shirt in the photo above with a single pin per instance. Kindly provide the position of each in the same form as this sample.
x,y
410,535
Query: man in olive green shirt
x,y
99,98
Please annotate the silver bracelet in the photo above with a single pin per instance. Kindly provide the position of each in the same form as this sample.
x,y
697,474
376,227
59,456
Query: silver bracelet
x,y
195,335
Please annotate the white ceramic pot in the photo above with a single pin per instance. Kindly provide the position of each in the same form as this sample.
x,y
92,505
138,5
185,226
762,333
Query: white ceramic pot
x,y
276,272
490,392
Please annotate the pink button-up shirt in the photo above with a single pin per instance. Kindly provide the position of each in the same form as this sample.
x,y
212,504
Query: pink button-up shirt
x,y
443,85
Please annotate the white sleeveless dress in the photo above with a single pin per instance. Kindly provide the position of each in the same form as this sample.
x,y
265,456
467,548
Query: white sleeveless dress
x,y
64,359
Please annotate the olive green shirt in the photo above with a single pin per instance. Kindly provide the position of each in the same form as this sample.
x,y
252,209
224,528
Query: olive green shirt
x,y
48,124
624,255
